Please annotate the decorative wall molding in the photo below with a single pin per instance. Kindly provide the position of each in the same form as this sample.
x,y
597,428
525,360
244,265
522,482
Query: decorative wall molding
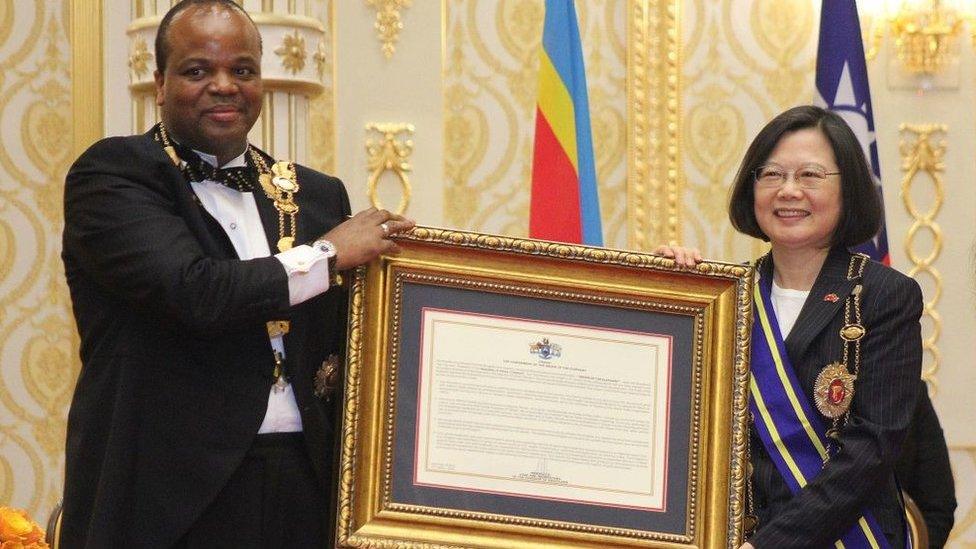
x,y
388,23
388,151
922,154
292,52
139,58
654,133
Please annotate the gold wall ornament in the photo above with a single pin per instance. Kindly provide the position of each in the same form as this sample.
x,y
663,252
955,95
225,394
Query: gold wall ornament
x,y
388,22
389,151
925,36
321,58
922,155
292,52
139,58
925,32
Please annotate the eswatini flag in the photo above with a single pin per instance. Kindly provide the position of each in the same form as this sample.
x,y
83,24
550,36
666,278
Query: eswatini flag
x,y
565,205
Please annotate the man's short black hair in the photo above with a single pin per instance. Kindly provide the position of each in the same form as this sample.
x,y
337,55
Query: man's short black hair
x,y
162,34
860,217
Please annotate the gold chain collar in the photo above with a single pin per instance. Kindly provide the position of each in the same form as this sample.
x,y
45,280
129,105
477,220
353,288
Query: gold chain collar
x,y
279,183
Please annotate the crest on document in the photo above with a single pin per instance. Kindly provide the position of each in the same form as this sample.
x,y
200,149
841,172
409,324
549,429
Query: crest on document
x,y
545,349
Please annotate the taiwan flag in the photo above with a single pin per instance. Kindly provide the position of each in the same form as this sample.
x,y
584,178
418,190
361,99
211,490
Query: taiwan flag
x,y
842,87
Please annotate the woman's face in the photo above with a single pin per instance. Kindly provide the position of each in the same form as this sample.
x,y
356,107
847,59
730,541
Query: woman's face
x,y
802,212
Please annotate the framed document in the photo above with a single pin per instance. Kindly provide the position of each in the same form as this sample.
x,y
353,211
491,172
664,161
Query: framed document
x,y
504,392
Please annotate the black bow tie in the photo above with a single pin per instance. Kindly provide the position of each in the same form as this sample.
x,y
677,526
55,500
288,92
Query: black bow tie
x,y
240,178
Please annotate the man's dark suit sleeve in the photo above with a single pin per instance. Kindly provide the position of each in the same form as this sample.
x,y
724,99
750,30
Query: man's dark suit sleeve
x,y
884,402
127,233
924,471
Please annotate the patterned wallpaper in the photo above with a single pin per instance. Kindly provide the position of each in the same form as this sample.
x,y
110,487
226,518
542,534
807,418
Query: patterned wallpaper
x,y
743,62
38,358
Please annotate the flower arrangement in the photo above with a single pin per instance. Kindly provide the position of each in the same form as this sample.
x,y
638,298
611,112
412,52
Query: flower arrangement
x,y
18,531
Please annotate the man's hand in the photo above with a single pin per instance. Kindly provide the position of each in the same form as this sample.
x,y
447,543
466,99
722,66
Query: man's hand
x,y
364,236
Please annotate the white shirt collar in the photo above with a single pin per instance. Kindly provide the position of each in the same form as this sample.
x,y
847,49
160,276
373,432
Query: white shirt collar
x,y
236,162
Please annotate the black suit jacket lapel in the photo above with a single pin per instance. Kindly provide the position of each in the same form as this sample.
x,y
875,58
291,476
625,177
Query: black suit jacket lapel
x,y
268,213
818,309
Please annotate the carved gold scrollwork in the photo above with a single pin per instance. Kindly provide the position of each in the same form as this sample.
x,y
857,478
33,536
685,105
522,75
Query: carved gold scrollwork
x,y
292,52
139,58
388,22
920,154
389,153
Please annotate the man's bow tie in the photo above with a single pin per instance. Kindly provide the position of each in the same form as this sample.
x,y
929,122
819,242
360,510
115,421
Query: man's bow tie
x,y
240,178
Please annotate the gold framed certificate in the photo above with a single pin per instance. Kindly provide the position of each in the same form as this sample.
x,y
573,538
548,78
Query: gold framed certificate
x,y
505,392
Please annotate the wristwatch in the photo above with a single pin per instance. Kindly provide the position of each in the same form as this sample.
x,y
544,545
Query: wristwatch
x,y
329,249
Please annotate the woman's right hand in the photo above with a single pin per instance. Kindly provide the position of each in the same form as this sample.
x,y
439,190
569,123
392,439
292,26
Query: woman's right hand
x,y
683,257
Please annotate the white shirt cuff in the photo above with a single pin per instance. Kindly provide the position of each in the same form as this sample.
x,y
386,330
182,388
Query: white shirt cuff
x,y
308,272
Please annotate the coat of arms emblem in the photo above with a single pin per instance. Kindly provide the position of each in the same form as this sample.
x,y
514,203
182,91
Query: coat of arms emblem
x,y
545,350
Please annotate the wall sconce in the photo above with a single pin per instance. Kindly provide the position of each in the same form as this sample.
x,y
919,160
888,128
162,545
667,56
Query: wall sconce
x,y
924,31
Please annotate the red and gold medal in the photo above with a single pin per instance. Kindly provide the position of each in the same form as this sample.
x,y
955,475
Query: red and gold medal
x,y
833,390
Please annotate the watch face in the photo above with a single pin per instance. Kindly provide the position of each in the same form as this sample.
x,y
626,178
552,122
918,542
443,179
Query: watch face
x,y
326,246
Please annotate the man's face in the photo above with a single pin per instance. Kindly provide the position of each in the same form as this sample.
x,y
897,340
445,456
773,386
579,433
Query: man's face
x,y
210,93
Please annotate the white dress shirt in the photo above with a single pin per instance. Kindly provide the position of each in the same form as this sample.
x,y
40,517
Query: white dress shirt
x,y
307,269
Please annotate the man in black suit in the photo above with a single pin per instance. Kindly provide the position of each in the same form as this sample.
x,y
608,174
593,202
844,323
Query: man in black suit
x,y
210,332
924,471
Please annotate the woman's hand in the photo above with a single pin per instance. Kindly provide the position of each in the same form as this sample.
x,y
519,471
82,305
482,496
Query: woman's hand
x,y
684,257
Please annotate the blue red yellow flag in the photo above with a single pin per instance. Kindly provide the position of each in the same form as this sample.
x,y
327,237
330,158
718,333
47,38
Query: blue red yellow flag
x,y
565,205
842,87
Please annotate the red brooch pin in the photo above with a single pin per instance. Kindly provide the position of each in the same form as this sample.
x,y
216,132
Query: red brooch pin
x,y
831,298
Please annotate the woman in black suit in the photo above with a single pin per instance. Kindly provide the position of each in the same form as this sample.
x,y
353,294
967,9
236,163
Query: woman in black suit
x,y
836,345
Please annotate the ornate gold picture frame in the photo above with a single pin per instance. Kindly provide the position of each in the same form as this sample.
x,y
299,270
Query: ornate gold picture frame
x,y
501,392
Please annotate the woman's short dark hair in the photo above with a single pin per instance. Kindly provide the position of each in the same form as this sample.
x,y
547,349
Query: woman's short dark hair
x,y
860,216
162,33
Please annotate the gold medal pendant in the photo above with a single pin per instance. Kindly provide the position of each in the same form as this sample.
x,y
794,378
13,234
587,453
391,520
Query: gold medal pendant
x,y
833,390
286,243
266,185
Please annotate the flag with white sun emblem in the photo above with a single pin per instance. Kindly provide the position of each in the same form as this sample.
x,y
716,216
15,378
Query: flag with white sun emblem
x,y
842,87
